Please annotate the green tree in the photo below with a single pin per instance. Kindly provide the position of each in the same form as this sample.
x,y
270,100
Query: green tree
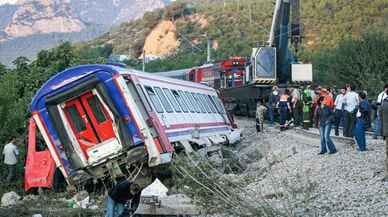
x,y
361,62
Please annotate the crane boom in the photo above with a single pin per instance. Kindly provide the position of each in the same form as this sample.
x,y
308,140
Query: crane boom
x,y
275,19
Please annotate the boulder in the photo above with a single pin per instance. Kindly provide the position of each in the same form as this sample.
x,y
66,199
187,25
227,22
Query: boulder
x,y
9,199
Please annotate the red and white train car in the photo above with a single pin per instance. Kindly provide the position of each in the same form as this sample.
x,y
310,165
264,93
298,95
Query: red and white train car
x,y
97,120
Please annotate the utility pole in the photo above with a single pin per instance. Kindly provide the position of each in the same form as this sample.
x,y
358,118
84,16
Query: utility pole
x,y
209,42
250,12
144,59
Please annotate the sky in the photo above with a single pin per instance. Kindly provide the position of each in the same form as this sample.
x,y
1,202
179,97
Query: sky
x,y
8,1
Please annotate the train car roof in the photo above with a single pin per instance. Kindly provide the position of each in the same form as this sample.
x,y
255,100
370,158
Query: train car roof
x,y
173,73
62,80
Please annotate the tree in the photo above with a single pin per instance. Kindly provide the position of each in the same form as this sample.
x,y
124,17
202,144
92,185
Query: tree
x,y
3,70
21,63
361,62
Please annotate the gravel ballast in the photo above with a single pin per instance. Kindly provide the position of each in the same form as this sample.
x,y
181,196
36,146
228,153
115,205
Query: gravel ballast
x,y
299,182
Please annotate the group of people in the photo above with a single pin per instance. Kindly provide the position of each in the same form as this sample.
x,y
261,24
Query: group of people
x,y
315,107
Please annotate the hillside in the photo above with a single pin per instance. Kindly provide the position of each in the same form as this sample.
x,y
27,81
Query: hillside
x,y
53,21
236,26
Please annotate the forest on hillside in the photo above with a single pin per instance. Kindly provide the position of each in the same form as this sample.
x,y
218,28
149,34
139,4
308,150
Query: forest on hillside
x,y
237,25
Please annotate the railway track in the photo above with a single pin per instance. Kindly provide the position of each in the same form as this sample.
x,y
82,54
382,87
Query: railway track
x,y
315,134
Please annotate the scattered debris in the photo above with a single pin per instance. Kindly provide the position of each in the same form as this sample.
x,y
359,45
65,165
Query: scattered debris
x,y
172,205
82,199
9,199
154,201
156,189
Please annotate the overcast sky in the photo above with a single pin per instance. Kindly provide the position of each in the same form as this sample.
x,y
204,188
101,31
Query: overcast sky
x,y
8,1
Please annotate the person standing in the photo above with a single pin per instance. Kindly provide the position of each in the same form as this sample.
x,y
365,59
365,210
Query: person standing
x,y
339,110
11,153
306,99
119,195
272,102
316,104
260,111
284,108
325,116
351,101
363,122
297,107
382,96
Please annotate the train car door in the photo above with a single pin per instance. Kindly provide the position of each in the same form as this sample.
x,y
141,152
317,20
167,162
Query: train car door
x,y
40,166
92,125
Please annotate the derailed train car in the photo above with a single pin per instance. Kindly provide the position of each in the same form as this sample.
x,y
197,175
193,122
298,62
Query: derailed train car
x,y
98,120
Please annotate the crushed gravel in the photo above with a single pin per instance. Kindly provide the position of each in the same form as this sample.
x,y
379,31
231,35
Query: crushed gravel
x,y
294,179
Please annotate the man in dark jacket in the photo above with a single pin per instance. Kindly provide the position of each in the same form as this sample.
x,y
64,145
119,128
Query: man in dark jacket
x,y
272,101
119,195
363,122
326,118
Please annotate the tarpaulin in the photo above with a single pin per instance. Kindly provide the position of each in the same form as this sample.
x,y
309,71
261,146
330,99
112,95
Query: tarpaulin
x,y
40,166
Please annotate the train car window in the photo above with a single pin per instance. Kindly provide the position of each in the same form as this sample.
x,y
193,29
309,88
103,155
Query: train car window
x,y
154,99
146,103
198,101
76,118
180,100
193,102
187,101
219,104
215,102
211,104
163,99
205,103
96,107
172,100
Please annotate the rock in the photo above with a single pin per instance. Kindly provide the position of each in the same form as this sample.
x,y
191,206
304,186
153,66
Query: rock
x,y
93,207
30,197
81,199
9,199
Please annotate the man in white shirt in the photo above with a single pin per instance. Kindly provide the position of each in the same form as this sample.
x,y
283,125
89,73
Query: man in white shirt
x,y
382,96
351,101
11,153
339,109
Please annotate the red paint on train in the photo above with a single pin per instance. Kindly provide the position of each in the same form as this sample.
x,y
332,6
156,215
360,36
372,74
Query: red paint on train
x,y
223,74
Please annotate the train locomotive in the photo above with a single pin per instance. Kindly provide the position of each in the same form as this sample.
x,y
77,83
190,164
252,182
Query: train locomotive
x,y
243,81
97,121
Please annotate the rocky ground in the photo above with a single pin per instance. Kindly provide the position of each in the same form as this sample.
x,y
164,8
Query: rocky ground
x,y
282,170
293,178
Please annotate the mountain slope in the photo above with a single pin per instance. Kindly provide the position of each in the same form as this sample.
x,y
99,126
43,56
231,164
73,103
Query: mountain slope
x,y
237,26
75,20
